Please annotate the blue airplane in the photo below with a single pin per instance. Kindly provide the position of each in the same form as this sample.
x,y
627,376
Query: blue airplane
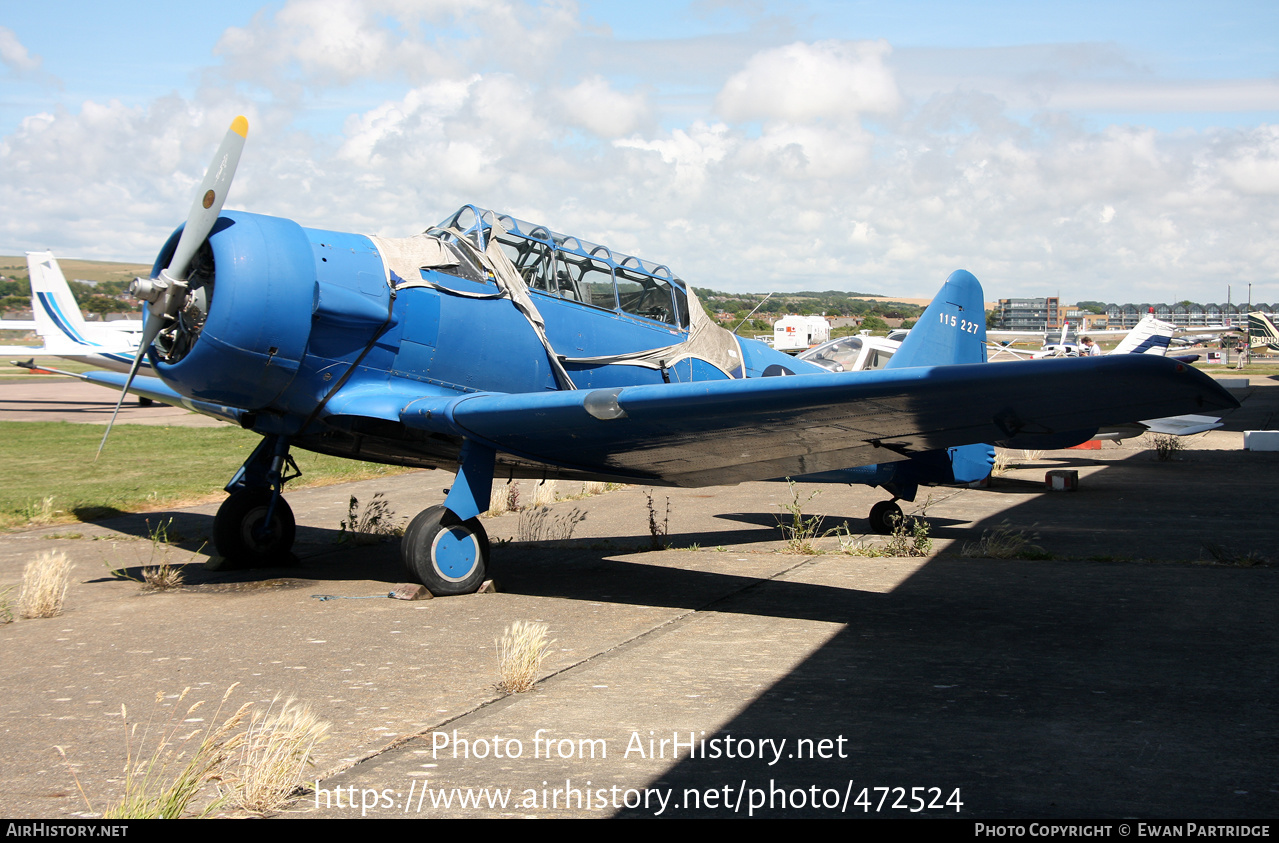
x,y
504,349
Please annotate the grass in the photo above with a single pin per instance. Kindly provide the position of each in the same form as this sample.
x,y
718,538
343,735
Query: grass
x,y
44,585
143,468
1003,542
504,498
257,768
520,653
1167,447
545,493
658,528
1224,555
541,525
910,538
162,782
802,530
275,753
6,604
375,523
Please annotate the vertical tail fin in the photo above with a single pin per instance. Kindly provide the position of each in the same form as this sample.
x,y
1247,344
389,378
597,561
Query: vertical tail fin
x,y
57,316
952,329
1150,336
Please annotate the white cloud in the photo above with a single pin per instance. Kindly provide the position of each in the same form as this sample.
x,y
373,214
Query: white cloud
x,y
14,55
829,79
594,105
757,171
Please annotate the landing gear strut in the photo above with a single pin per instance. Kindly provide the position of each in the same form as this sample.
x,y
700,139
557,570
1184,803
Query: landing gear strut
x,y
445,547
244,532
255,527
444,553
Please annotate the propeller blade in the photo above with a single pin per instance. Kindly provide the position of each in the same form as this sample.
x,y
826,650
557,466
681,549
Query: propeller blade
x,y
210,198
200,221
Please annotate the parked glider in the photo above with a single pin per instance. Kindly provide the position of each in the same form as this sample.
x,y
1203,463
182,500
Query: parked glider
x,y
505,349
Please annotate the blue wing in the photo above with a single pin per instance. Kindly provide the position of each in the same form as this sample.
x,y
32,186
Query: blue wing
x,y
719,432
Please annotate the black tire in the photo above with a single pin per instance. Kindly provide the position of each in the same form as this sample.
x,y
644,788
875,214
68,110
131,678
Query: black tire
x,y
447,555
238,531
145,402
884,517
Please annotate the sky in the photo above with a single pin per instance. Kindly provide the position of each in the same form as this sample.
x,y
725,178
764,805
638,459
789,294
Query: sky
x,y
1121,152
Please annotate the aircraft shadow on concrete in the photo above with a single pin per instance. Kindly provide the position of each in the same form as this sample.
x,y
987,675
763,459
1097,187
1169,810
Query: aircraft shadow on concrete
x,y
1037,689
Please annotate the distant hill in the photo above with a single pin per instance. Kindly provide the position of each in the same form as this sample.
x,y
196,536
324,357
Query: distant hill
x,y
75,269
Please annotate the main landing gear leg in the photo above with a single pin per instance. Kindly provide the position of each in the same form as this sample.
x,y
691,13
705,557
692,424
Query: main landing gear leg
x,y
445,547
254,527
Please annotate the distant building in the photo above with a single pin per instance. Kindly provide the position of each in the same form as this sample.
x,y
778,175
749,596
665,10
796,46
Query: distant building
x,y
1029,314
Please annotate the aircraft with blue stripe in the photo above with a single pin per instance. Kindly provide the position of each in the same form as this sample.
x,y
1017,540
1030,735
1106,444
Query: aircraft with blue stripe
x,y
497,347
63,328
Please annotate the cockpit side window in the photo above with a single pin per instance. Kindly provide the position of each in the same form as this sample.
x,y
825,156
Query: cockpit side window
x,y
643,295
533,260
584,279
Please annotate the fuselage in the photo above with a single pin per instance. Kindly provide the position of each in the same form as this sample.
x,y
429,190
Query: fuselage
x,y
321,337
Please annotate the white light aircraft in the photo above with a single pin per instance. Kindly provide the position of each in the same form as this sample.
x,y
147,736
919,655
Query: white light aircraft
x,y
66,334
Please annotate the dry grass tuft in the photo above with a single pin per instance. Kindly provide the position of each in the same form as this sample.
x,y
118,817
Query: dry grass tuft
x,y
1001,464
1167,447
376,523
544,493
44,585
275,753
1003,542
540,524
40,512
504,498
520,652
6,604
163,784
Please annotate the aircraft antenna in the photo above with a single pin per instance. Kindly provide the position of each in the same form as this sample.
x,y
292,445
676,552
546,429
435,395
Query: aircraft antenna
x,y
752,313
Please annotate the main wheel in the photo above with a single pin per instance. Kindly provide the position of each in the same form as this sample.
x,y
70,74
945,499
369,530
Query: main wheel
x,y
445,554
884,517
241,533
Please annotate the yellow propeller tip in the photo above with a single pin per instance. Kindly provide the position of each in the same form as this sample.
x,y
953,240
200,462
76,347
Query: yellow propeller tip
x,y
240,126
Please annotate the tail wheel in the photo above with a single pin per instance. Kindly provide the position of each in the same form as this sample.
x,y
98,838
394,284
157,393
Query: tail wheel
x,y
242,534
445,554
884,516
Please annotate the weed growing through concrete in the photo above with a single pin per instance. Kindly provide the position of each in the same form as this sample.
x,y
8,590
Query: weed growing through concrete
x,y
802,530
164,575
504,498
1167,447
658,530
161,783
544,493
1223,555
275,752
541,524
909,538
1031,456
1003,542
377,522
1001,464
520,653
6,604
44,585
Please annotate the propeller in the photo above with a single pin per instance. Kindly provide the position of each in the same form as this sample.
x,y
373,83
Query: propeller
x,y
167,293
